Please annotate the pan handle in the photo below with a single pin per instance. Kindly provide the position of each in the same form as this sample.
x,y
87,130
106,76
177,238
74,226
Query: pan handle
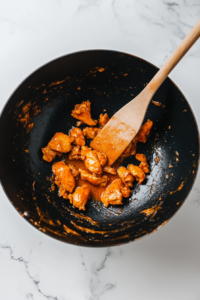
x,y
182,49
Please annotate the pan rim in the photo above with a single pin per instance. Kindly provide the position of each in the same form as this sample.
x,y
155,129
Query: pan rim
x,y
123,53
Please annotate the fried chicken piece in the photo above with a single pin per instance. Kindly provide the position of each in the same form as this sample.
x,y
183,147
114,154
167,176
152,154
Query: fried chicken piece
x,y
82,113
60,142
114,193
140,137
80,197
109,170
49,154
126,192
137,173
77,136
65,196
79,123
126,176
102,181
63,178
134,146
75,153
91,132
91,160
141,157
131,149
127,151
103,119
144,131
102,158
74,171
143,165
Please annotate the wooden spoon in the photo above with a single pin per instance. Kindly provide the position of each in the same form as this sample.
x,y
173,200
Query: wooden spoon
x,y
124,125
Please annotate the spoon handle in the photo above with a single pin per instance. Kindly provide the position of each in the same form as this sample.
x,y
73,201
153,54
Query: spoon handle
x,y
185,45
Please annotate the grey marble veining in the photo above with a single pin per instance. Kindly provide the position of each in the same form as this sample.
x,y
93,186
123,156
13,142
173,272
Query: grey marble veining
x,y
164,264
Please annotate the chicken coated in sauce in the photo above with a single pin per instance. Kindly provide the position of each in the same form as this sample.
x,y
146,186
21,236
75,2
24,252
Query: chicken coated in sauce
x,y
126,192
94,161
103,119
49,154
143,165
114,193
79,123
63,178
77,136
75,153
91,160
74,171
80,197
144,131
127,151
82,112
91,132
60,142
109,170
134,146
102,181
102,158
126,176
131,149
137,173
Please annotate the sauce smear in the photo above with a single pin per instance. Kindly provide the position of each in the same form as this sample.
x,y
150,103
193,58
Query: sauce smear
x,y
95,190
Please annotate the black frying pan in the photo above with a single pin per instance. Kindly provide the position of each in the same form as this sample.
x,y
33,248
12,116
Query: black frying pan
x,y
23,175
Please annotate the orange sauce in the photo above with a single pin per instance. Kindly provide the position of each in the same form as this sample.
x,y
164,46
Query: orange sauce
x,y
56,83
101,69
24,117
36,110
95,190
151,211
178,189
68,230
30,126
156,103
148,211
87,229
45,229
83,217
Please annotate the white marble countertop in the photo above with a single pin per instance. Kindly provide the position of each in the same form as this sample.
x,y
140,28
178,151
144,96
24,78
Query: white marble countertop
x,y
164,265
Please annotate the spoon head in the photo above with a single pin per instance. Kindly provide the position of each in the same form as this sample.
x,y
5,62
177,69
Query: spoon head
x,y
122,127
113,139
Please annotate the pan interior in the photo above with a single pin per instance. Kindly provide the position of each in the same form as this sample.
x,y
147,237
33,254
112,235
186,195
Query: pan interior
x,y
109,80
